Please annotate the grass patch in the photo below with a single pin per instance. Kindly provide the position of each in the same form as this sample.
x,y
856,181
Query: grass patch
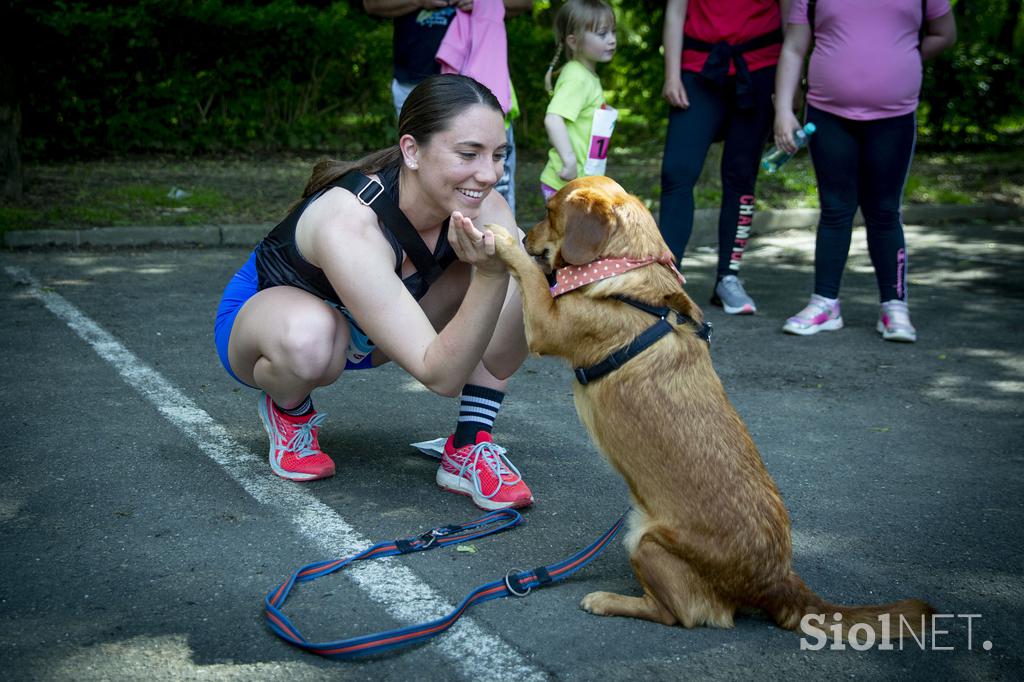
x,y
134,191
919,191
19,218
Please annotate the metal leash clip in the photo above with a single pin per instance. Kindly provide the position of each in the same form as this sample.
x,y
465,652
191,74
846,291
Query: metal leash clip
x,y
431,536
508,583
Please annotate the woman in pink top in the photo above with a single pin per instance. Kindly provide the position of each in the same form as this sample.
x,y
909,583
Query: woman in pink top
x,y
863,80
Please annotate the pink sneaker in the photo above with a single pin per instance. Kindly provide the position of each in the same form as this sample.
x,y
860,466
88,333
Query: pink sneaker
x,y
819,315
894,322
295,451
484,473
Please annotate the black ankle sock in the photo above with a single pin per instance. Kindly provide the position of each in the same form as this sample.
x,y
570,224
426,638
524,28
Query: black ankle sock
x,y
478,408
300,410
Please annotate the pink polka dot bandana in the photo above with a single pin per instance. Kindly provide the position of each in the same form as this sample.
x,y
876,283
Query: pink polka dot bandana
x,y
575,276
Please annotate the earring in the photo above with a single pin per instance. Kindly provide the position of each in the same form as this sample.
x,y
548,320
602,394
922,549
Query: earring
x,y
412,164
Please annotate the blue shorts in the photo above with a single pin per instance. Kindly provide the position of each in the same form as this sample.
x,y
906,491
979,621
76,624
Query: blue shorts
x,y
240,289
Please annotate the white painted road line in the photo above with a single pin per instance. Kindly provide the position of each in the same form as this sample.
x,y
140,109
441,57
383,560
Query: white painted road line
x,y
474,653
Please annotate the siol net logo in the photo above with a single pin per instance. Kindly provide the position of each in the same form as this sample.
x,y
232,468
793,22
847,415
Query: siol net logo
x,y
863,636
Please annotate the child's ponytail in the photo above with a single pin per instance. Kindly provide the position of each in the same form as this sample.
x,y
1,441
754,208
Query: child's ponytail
x,y
551,69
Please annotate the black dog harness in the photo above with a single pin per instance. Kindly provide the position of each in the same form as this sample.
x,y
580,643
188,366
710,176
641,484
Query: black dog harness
x,y
645,340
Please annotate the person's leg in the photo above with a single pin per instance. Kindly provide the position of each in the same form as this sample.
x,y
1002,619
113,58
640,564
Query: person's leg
x,y
835,152
507,183
741,157
690,133
834,149
288,342
472,464
399,93
745,134
886,154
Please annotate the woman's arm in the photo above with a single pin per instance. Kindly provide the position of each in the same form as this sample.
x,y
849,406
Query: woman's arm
x,y
784,7
787,79
359,263
939,35
672,38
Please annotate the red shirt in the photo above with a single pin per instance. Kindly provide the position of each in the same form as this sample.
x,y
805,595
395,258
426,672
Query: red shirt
x,y
735,22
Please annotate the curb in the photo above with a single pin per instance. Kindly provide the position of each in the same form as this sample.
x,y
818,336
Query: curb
x,y
766,221
166,235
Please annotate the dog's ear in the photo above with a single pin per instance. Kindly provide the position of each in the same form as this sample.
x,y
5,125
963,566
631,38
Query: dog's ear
x,y
589,218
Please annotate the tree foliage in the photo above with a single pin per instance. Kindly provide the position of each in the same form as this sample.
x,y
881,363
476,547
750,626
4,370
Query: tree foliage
x,y
972,95
202,76
214,76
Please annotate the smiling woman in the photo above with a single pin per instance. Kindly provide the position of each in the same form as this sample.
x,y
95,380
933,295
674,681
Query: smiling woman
x,y
387,248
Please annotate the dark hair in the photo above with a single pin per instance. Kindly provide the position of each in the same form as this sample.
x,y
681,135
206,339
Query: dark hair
x,y
429,109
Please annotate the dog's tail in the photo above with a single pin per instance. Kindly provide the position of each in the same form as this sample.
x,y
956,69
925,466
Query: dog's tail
x,y
795,607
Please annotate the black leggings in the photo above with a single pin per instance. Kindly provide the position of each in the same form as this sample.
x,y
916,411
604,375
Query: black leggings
x,y
862,163
713,115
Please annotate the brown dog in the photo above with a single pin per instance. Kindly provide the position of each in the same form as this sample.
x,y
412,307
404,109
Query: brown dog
x,y
709,533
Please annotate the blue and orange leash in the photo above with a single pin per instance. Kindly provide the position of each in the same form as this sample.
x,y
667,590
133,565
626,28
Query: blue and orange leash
x,y
513,583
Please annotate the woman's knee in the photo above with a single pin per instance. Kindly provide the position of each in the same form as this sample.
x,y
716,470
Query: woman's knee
x,y
740,176
837,218
679,172
683,159
309,346
503,366
881,216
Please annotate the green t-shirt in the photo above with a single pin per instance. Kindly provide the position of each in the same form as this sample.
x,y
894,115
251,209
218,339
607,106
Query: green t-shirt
x,y
577,95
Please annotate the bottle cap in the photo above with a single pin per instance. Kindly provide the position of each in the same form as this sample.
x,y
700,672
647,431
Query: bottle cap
x,y
810,128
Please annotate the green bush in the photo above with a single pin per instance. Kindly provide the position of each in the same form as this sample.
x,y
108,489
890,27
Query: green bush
x,y
208,76
217,76
970,96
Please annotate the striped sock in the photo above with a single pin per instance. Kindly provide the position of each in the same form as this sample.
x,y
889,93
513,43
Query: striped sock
x,y
478,409
300,410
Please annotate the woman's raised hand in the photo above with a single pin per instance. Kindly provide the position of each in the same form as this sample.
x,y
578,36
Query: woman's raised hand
x,y
473,246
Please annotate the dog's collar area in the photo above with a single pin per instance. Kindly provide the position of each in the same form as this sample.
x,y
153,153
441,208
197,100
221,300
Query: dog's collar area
x,y
570,277
645,340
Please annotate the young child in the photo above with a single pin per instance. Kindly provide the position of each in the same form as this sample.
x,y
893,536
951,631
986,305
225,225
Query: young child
x,y
578,121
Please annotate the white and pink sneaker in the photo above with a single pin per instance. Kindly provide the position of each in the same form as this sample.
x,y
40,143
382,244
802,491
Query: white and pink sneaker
x,y
894,322
820,315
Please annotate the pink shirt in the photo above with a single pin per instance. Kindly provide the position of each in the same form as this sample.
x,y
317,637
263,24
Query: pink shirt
x,y
476,46
866,64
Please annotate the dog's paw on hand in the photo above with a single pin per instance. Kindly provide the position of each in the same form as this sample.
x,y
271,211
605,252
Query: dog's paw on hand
x,y
501,234
506,246
595,603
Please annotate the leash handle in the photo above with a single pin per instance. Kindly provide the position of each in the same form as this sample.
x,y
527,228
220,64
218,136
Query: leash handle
x,y
513,583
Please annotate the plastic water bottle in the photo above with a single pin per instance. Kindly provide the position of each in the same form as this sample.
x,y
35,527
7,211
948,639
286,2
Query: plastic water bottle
x,y
776,156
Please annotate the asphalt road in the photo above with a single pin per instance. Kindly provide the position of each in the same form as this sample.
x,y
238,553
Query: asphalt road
x,y
140,526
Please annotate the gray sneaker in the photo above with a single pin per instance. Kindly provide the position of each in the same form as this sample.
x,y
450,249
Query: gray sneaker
x,y
729,294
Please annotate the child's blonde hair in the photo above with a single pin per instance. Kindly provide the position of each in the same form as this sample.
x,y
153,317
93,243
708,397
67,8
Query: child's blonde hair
x,y
573,18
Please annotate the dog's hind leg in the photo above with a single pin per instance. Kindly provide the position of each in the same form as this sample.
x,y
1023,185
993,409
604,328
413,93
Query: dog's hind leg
x,y
611,604
673,592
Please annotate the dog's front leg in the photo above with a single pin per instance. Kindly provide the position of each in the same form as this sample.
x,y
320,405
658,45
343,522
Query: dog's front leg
x,y
540,312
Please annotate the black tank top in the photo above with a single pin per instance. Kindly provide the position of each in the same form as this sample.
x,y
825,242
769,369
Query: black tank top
x,y
278,261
